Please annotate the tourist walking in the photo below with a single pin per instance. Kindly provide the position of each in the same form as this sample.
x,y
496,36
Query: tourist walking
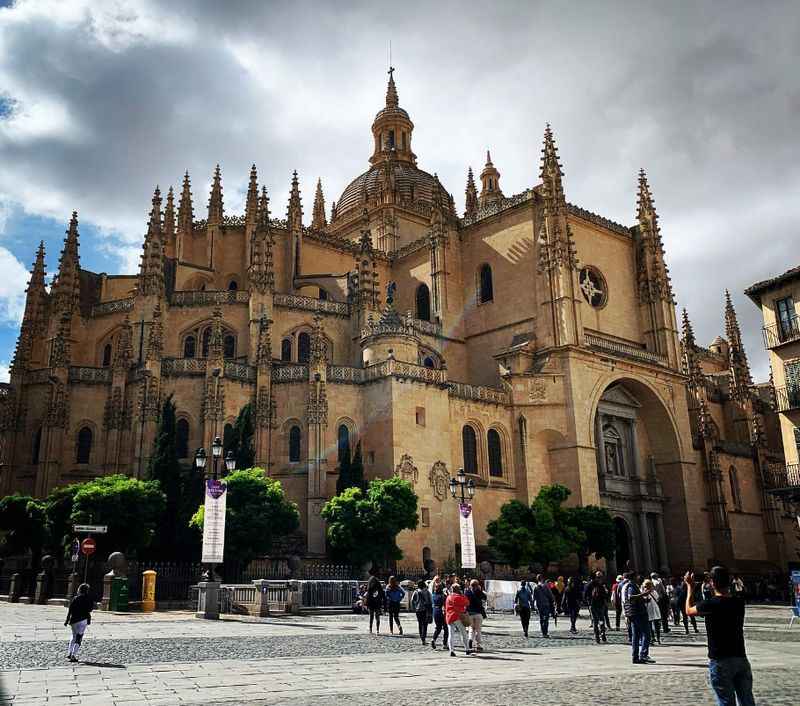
x,y
438,597
653,610
79,617
375,600
728,666
422,605
455,615
683,589
616,600
522,604
598,603
561,586
394,594
544,602
476,612
633,605
573,595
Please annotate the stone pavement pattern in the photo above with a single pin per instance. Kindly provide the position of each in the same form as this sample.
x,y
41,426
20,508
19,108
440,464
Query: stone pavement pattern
x,y
173,658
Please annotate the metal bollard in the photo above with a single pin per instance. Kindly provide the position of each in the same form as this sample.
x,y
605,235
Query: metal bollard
x,y
148,591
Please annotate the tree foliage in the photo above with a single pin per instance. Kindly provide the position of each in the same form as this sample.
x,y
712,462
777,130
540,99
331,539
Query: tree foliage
x,y
57,513
363,527
598,534
130,507
239,439
257,512
23,525
351,472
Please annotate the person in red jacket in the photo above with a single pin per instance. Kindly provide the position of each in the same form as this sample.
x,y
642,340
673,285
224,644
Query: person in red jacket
x,y
454,607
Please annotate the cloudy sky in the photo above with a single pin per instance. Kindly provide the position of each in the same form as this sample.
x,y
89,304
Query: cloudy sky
x,y
102,100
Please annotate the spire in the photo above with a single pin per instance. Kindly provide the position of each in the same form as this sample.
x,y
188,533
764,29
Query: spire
x,y
392,100
33,318
151,266
490,180
251,204
65,291
691,366
294,213
471,204
260,268
169,217
551,172
185,210
333,211
741,381
319,222
653,275
215,207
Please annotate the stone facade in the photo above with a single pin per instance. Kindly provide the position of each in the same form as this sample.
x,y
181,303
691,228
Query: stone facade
x,y
528,341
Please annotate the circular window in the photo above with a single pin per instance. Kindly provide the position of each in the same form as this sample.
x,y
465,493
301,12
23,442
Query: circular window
x,y
594,287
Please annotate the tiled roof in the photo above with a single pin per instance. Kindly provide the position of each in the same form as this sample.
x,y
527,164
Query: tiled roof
x,y
754,290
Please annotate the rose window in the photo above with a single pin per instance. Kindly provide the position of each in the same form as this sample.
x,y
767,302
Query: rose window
x,y
593,286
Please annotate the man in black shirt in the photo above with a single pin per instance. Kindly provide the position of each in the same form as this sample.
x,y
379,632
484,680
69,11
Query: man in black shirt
x,y
728,667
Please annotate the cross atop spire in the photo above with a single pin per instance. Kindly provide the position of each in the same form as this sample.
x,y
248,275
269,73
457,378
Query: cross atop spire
x,y
392,99
215,206
319,221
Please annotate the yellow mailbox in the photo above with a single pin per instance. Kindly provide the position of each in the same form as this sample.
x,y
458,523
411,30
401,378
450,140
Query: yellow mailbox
x,y
148,591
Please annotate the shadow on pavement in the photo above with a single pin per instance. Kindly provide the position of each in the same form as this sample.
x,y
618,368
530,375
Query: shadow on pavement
x,y
102,664
497,658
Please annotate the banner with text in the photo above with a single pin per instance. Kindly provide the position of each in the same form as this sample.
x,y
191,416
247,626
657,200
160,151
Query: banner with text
x,y
468,558
796,590
214,522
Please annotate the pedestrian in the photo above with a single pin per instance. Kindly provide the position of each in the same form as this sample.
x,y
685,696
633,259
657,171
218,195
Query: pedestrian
x,y
662,599
544,602
422,605
573,594
394,594
79,617
706,589
737,586
616,600
522,605
633,605
653,610
728,666
438,597
561,586
455,609
685,617
375,600
598,603
477,612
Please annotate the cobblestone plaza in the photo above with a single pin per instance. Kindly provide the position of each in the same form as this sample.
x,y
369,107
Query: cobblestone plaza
x,y
174,658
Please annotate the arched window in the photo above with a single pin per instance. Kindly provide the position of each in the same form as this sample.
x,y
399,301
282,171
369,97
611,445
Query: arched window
x,y
423,302
294,444
495,453
343,443
470,446
303,348
84,445
37,444
485,289
206,342
189,347
107,355
736,491
233,285
182,438
286,350
227,438
229,346
323,295
428,363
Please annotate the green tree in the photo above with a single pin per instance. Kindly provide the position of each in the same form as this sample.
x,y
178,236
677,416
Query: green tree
x,y
351,472
345,466
130,507
598,534
257,512
363,527
58,512
239,439
23,524
513,534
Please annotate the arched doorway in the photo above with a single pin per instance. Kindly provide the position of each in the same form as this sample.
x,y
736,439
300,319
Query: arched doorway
x,y
622,555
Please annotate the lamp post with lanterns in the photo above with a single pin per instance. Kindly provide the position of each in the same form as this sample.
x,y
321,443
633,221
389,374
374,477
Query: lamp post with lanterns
x,y
463,490
460,482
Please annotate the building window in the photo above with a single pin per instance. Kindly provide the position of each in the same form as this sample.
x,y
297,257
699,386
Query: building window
x,y
428,363
391,139
206,342
792,373
294,444
485,288
323,295
405,141
182,438
233,285
426,516
371,457
491,185
227,438
787,321
37,444
229,346
343,444
189,347
736,491
286,350
107,355
495,453
423,302
84,445
303,348
593,286
419,415
470,447
797,442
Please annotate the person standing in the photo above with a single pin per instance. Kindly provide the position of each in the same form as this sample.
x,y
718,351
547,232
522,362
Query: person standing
x,y
476,612
662,598
522,604
728,666
653,610
572,601
616,600
681,600
544,602
438,597
394,594
561,586
455,608
79,617
375,600
598,603
422,605
633,605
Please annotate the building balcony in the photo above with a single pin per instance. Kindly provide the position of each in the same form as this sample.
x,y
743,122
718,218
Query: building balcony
x,y
781,332
782,480
787,398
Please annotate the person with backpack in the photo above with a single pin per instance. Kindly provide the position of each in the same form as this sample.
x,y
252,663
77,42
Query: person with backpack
x,y
598,602
394,595
79,617
544,602
522,605
422,605
375,600
477,612
438,598
455,611
635,609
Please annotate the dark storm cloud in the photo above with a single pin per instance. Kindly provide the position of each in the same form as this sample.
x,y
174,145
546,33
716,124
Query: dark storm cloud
x,y
110,98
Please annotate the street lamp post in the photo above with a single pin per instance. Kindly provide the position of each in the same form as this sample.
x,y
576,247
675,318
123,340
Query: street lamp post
x,y
460,482
463,490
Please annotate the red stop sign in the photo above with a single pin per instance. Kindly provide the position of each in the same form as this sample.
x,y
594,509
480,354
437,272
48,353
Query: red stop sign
x,y
88,546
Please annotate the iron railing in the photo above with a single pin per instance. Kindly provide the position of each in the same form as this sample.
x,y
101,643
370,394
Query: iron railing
x,y
625,350
779,478
787,398
781,332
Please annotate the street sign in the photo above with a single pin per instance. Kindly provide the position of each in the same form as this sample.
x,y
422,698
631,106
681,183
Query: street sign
x,y
88,546
95,529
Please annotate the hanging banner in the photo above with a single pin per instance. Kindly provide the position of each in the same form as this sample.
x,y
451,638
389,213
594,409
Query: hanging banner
x,y
796,590
214,522
468,558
